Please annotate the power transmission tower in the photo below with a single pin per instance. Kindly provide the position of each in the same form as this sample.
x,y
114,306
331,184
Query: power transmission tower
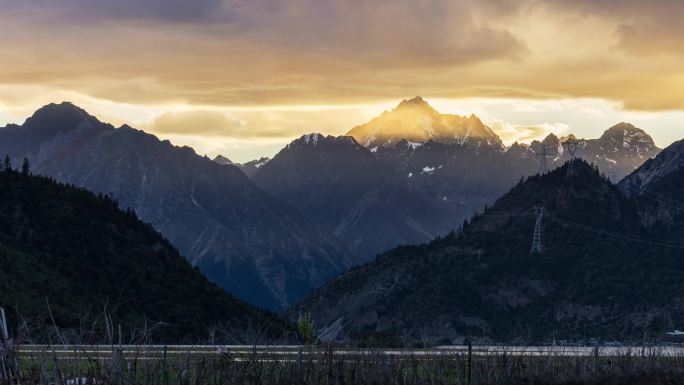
x,y
545,151
537,237
571,146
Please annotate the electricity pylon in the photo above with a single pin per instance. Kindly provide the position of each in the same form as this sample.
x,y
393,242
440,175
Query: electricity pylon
x,y
546,151
537,246
571,146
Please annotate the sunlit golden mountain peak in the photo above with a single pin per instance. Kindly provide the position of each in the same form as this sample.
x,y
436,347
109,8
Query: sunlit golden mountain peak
x,y
416,121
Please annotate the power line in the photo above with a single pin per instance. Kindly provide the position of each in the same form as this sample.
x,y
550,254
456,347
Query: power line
x,y
658,197
540,212
571,146
545,151
609,234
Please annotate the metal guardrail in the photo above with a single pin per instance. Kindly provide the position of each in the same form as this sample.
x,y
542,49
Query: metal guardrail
x,y
273,351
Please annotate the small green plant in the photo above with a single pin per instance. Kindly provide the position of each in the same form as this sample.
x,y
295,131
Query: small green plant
x,y
306,329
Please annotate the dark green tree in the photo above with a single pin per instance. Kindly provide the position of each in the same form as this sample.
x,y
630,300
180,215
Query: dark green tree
x,y
25,167
7,165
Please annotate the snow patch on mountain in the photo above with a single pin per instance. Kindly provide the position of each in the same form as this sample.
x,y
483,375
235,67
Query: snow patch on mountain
x,y
312,138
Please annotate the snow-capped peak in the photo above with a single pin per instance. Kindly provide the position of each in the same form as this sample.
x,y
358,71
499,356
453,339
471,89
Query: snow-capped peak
x,y
311,138
414,120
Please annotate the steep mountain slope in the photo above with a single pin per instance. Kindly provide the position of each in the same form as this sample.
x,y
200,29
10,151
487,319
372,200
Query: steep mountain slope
x,y
461,178
596,277
654,170
658,189
242,238
416,121
341,186
66,247
220,159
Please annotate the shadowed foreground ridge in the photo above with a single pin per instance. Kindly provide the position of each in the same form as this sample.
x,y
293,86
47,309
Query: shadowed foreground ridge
x,y
100,268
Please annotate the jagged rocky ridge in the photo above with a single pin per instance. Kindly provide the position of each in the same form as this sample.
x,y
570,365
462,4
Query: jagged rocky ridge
x,y
412,174
416,121
619,151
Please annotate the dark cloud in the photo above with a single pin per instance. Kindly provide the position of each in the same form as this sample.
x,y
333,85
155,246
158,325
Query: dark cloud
x,y
643,27
169,10
438,30
427,30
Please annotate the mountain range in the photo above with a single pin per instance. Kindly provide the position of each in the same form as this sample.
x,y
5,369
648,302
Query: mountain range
x,y
610,267
271,230
243,239
412,174
341,186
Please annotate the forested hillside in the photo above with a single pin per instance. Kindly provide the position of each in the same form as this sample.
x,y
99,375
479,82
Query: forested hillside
x,y
73,256
601,274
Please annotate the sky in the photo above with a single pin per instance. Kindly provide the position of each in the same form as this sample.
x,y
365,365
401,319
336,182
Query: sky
x,y
244,77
